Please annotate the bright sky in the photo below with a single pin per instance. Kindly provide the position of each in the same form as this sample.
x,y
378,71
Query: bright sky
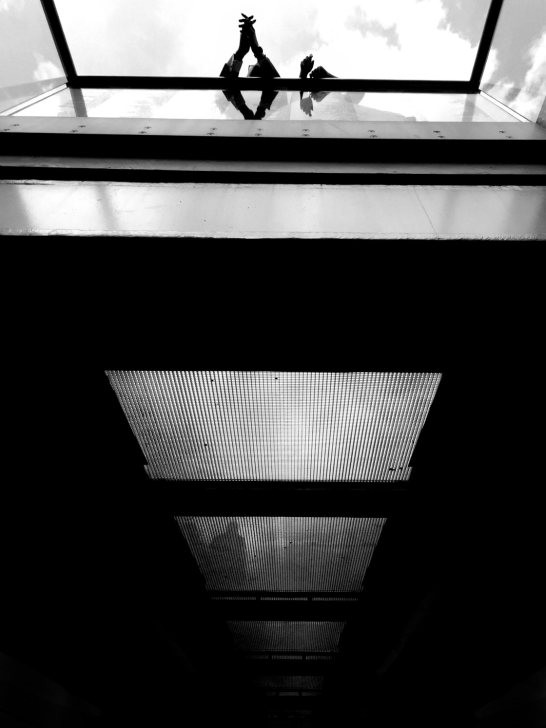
x,y
424,39
435,39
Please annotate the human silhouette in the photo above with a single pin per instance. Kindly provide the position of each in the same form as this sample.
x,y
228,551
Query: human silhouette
x,y
228,557
263,68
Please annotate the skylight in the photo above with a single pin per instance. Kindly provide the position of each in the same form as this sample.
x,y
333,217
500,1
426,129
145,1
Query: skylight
x,y
374,39
296,637
276,426
276,554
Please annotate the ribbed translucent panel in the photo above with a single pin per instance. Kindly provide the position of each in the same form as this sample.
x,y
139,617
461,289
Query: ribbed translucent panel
x,y
258,636
276,554
276,426
290,682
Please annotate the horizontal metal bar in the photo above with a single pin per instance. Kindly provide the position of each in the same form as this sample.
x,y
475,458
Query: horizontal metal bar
x,y
252,172
242,83
387,142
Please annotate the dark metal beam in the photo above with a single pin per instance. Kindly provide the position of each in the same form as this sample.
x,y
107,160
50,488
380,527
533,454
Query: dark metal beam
x,y
280,499
59,37
393,142
485,44
250,172
294,84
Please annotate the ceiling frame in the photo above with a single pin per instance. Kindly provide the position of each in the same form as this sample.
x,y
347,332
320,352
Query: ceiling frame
x,y
189,82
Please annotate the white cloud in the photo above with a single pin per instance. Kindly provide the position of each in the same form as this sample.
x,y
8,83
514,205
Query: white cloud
x,y
45,69
529,100
182,38
6,5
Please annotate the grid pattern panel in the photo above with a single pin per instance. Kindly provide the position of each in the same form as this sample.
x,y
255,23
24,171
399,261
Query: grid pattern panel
x,y
276,426
290,682
267,636
282,553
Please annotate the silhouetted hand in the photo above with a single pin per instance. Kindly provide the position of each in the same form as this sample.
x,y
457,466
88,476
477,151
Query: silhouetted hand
x,y
306,65
246,25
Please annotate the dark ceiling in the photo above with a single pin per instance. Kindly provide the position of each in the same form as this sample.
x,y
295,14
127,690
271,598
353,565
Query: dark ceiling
x,y
101,594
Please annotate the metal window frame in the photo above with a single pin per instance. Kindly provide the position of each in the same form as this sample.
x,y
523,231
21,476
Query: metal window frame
x,y
190,82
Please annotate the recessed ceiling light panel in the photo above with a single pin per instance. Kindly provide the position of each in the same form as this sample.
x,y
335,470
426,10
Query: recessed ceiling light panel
x,y
276,426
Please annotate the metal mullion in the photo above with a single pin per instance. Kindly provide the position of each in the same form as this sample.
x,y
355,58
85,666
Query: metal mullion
x,y
56,28
485,44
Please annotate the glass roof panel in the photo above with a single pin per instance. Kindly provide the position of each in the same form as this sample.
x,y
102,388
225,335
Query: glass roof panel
x,y
278,554
389,39
258,636
276,426
516,67
29,62
287,105
290,682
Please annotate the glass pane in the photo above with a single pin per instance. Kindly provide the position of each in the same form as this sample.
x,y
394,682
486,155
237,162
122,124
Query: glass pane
x,y
29,63
287,105
275,426
253,636
421,39
282,553
516,68
290,682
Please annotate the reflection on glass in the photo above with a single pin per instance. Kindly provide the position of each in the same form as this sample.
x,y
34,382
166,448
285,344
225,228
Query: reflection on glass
x,y
516,68
29,63
286,106
426,39
283,553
